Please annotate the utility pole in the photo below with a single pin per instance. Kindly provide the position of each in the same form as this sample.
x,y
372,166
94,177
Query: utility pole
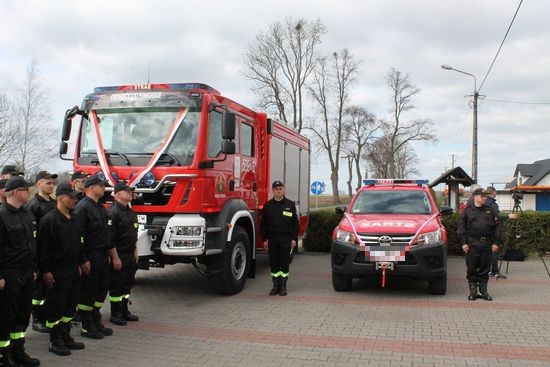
x,y
474,128
452,160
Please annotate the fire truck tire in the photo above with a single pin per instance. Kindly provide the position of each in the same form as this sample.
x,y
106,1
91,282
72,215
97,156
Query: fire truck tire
x,y
232,266
438,286
341,283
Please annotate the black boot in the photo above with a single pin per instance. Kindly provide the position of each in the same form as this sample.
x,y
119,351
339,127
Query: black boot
x,y
473,291
57,346
127,314
38,319
19,356
117,317
276,286
89,330
483,292
96,317
282,290
67,338
5,357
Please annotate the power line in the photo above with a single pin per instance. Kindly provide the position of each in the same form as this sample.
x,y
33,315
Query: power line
x,y
502,43
516,102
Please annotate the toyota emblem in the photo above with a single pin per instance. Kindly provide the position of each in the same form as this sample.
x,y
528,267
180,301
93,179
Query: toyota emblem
x,y
384,240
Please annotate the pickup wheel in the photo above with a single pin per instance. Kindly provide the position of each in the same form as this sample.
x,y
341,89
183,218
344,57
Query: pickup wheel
x,y
228,272
341,283
438,286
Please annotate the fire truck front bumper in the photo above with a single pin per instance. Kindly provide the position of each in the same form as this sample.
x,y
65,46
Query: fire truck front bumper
x,y
184,236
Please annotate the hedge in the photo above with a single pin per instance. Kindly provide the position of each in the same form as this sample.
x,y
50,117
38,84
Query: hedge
x,y
532,231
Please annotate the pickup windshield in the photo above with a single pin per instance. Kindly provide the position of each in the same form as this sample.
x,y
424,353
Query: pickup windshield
x,y
140,131
391,202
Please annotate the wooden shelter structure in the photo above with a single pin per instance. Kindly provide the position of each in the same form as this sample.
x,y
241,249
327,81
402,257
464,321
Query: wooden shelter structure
x,y
453,178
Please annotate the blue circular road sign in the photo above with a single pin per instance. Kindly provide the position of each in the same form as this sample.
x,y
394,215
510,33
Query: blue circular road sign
x,y
317,187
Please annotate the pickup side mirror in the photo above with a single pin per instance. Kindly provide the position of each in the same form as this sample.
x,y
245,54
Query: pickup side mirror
x,y
445,210
341,209
228,126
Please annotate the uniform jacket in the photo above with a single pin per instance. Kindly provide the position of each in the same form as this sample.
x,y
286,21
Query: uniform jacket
x,y
478,222
60,244
40,207
124,227
17,239
95,224
280,218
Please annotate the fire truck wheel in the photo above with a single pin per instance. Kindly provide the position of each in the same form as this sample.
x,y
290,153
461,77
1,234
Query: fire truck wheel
x,y
438,286
230,270
341,283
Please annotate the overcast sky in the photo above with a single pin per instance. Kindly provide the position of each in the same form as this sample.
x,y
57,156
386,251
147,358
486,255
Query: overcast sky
x,y
81,45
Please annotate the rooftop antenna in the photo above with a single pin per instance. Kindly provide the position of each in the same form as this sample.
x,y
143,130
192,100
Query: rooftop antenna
x,y
149,73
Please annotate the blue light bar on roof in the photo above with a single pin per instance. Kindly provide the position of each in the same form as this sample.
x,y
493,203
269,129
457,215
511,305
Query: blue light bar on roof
x,y
390,181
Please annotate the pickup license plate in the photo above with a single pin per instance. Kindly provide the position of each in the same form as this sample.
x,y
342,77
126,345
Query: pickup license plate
x,y
387,264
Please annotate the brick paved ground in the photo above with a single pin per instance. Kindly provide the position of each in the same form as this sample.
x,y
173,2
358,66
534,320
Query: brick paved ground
x,y
185,324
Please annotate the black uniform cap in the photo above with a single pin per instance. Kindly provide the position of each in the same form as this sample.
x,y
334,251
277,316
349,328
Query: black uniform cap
x,y
480,192
11,169
17,182
93,180
3,182
65,189
277,184
45,175
78,174
121,186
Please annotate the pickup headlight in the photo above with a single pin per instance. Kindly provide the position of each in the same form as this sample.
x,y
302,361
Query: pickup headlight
x,y
344,236
429,238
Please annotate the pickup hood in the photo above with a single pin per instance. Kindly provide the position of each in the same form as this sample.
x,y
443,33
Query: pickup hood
x,y
390,223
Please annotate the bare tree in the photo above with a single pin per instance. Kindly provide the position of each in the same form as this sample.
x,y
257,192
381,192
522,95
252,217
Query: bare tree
x,y
33,135
359,129
399,133
379,156
6,129
330,91
279,62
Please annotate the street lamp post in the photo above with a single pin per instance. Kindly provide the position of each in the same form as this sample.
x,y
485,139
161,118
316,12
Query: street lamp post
x,y
474,130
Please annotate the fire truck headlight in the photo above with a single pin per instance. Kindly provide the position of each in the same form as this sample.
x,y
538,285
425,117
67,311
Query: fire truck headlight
x,y
344,236
194,231
429,238
148,179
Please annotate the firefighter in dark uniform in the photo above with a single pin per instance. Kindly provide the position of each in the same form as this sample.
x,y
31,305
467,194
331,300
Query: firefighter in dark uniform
x,y
479,231
62,260
279,229
96,231
18,266
77,182
41,204
124,236
2,191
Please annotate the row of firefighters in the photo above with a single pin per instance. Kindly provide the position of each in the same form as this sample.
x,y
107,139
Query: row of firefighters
x,y
59,258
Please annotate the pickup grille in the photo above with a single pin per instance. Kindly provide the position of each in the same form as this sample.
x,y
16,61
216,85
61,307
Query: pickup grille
x,y
401,239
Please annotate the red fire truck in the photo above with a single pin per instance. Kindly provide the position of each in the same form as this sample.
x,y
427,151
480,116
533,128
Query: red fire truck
x,y
201,165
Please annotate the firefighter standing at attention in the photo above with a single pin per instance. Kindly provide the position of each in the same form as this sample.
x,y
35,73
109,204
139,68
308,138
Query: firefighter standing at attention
x,y
279,229
478,231
124,236
18,266
62,260
95,225
41,204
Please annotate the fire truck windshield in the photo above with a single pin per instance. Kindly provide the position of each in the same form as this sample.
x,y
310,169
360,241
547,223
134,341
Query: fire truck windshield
x,y
392,202
140,131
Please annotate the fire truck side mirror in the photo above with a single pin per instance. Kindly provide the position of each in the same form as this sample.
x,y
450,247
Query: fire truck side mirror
x,y
228,126
228,147
67,124
63,148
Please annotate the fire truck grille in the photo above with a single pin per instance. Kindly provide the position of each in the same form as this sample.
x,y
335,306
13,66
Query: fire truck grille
x,y
161,197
